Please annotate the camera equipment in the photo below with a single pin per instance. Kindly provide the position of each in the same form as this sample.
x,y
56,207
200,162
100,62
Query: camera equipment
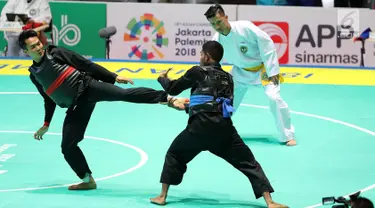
x,y
341,201
107,33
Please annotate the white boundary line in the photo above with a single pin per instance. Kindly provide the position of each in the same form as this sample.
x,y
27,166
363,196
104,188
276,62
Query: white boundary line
x,y
322,118
247,105
143,154
333,121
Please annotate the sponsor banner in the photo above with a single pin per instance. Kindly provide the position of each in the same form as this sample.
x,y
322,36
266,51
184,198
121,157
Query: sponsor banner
x,y
313,36
171,32
295,75
79,31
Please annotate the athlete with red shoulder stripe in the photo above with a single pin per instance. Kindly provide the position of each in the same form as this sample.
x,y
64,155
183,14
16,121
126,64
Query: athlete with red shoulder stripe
x,y
67,79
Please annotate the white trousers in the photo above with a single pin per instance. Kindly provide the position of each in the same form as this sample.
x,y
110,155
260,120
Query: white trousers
x,y
277,106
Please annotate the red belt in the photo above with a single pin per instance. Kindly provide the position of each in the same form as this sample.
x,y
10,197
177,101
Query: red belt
x,y
59,80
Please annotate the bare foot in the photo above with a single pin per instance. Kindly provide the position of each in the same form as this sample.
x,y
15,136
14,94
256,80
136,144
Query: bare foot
x,y
291,143
84,185
158,200
276,205
270,202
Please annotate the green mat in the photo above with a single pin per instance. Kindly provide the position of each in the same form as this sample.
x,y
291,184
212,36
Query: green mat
x,y
127,143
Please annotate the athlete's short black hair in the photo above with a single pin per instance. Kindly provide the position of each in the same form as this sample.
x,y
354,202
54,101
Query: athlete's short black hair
x,y
212,10
26,34
362,202
213,49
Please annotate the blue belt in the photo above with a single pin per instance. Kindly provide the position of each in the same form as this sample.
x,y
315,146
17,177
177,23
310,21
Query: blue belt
x,y
227,108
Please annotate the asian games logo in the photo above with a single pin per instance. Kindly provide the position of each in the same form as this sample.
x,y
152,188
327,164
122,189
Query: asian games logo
x,y
149,36
279,33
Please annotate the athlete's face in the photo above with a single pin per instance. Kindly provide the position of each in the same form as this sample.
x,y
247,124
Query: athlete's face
x,y
34,48
219,22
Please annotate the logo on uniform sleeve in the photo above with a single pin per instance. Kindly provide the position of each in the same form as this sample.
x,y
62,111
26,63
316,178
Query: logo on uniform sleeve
x,y
243,49
279,33
33,12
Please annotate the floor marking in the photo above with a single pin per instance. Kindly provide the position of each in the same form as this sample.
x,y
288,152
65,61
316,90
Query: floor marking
x,y
143,154
333,121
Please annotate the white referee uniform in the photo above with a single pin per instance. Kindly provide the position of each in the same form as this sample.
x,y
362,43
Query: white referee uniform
x,y
37,10
253,55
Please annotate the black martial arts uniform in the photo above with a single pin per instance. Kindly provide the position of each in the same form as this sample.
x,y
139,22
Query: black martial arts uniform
x,y
209,127
66,79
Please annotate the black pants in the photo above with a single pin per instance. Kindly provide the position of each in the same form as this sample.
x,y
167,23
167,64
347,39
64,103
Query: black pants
x,y
225,144
78,116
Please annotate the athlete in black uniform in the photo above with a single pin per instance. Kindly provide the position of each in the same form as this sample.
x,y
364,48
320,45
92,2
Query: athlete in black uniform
x,y
209,126
66,79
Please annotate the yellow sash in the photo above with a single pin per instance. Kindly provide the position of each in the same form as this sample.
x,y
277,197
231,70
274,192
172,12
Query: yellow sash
x,y
263,74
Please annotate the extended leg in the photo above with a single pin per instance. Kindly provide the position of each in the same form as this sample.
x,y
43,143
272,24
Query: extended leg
x,y
280,111
102,91
183,149
239,155
75,124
